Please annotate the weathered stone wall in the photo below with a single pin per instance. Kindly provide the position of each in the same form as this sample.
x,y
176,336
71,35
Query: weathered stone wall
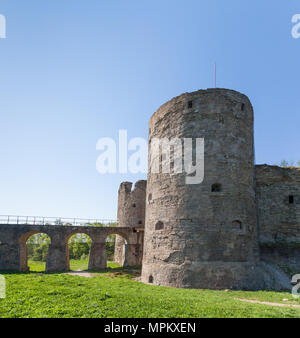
x,y
197,237
278,207
278,203
131,213
13,250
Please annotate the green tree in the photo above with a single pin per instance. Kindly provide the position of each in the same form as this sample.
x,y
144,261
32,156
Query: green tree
x,y
79,246
110,247
37,247
286,164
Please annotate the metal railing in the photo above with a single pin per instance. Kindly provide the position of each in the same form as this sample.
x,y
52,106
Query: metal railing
x,y
40,220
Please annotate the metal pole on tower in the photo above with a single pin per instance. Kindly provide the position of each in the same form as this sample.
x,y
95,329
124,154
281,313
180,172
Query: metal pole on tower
x,y
215,75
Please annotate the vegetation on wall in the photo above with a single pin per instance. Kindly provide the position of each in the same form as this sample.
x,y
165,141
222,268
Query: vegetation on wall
x,y
289,164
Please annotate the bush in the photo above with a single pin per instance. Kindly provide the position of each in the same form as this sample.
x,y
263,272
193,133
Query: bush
x,y
37,247
84,257
79,244
110,250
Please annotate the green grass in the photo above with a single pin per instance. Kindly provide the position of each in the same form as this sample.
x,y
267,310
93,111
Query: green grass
x,y
82,265
113,293
75,265
36,266
79,265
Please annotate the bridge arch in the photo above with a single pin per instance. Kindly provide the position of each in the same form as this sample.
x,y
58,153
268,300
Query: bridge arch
x,y
23,250
67,244
128,247
116,248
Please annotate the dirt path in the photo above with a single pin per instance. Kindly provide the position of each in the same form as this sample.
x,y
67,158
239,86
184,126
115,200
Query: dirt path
x,y
80,273
268,303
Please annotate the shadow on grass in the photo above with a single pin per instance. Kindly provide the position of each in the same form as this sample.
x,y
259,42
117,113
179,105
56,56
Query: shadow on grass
x,y
135,271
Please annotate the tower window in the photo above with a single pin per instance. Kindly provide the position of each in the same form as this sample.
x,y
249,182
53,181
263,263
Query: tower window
x,y
159,225
291,199
190,104
133,205
217,187
243,107
149,197
163,157
237,224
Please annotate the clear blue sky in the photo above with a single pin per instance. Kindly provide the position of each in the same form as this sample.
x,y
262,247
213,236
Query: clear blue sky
x,y
72,72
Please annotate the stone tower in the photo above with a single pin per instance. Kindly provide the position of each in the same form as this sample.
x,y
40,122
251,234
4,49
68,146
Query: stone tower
x,y
131,213
204,235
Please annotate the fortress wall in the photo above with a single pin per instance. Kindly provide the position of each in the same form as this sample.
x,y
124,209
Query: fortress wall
x,y
278,203
278,207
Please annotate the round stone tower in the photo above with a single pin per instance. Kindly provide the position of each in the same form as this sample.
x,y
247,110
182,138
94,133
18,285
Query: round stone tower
x,y
203,235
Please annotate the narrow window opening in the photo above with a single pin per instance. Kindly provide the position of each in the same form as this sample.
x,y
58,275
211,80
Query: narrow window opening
x,y
163,157
243,107
217,187
291,199
133,205
237,224
190,104
159,225
150,279
150,197
140,222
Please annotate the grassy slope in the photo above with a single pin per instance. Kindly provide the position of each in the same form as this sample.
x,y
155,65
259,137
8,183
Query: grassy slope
x,y
114,294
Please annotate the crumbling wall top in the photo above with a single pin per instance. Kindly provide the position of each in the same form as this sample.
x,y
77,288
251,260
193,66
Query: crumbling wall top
x,y
269,174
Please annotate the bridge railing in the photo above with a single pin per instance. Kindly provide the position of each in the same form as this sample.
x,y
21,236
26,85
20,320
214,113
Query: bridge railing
x,y
40,220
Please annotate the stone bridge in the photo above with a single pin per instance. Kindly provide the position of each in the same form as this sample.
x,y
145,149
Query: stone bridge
x,y
13,249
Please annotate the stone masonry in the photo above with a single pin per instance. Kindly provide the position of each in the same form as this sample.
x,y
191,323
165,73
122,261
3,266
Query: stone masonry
x,y
278,205
131,213
13,250
235,228
204,235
